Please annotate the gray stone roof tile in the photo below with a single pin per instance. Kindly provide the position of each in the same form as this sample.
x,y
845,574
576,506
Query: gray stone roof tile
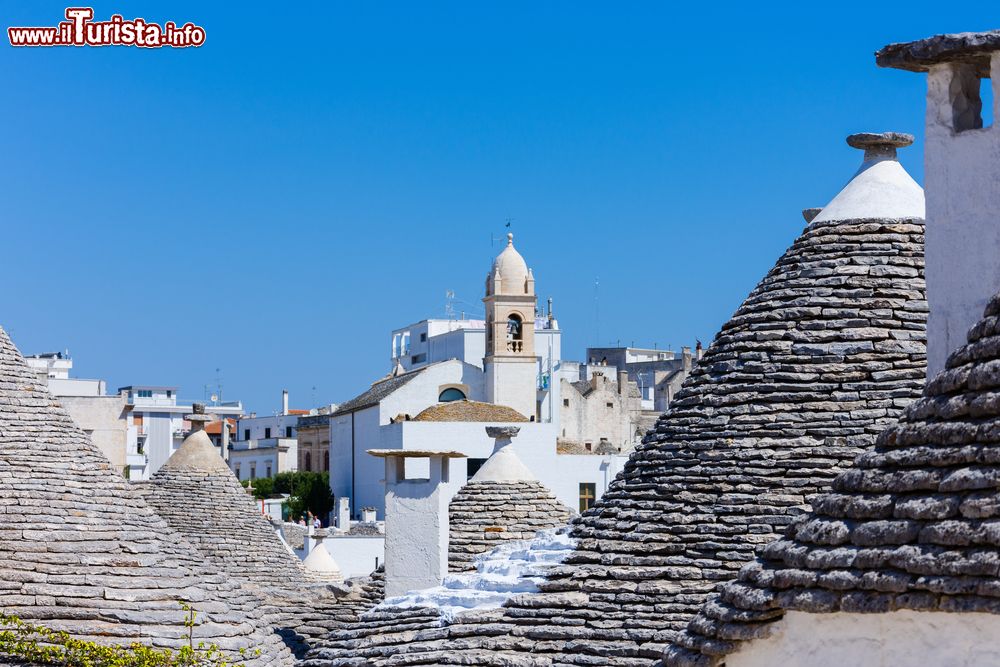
x,y
912,525
825,352
81,551
483,514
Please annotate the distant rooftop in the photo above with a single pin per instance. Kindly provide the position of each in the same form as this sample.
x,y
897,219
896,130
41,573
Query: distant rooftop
x,y
152,387
967,47
48,355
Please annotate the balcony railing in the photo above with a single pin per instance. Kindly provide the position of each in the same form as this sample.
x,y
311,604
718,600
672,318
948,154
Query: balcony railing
x,y
515,345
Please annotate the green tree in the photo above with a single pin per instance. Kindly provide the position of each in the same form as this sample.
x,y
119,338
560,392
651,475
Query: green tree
x,y
307,491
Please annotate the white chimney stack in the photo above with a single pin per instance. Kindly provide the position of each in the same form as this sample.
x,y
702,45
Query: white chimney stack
x,y
961,173
284,401
416,519
344,513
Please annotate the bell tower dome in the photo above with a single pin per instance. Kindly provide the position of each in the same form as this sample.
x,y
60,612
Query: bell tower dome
x,y
510,363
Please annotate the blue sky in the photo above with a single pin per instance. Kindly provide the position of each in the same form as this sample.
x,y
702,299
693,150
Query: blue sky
x,y
273,203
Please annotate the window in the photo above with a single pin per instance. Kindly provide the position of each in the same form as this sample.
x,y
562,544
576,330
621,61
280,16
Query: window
x,y
565,402
237,471
308,461
423,338
169,393
267,432
253,471
588,446
473,466
145,393
970,96
326,461
418,358
268,469
138,447
451,394
610,405
588,494
288,431
246,434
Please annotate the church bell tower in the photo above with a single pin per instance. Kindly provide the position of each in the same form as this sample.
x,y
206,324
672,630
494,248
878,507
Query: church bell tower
x,y
511,365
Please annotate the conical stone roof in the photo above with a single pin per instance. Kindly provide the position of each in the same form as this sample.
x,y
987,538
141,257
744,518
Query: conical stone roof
x,y
914,524
503,501
81,551
200,497
823,354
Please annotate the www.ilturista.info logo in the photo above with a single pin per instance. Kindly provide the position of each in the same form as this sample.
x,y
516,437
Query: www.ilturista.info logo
x,y
81,30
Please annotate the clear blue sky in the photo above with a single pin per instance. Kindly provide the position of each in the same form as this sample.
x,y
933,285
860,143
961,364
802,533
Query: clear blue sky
x,y
274,203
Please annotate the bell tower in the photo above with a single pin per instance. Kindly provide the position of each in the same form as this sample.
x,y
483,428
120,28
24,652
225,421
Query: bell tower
x,y
511,365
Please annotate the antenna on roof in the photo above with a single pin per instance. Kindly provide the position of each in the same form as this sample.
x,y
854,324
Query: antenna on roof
x,y
502,237
449,304
597,310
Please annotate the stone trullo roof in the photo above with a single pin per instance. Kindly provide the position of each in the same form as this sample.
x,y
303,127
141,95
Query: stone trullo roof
x,y
912,525
825,352
503,501
81,551
469,411
200,497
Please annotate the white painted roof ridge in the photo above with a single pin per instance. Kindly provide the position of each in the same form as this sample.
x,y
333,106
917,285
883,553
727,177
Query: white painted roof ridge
x,y
504,465
512,568
881,189
320,562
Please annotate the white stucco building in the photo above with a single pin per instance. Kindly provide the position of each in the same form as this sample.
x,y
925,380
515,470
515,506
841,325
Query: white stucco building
x,y
157,427
267,445
505,367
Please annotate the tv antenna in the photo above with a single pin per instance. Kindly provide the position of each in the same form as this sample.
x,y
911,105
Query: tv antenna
x,y
217,396
449,304
597,309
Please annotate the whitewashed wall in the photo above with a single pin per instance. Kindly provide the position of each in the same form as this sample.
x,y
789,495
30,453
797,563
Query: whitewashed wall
x,y
534,444
896,639
356,554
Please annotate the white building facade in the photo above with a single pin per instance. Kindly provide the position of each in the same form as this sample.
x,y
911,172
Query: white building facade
x,y
267,445
512,358
157,426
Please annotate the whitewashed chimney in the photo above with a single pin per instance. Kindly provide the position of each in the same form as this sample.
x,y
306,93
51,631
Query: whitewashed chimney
x,y
961,174
344,513
416,519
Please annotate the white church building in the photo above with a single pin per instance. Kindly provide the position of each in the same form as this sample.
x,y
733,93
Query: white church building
x,y
451,377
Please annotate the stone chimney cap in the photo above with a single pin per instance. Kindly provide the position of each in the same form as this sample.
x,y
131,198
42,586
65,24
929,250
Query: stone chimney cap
x,y
880,145
972,48
502,431
868,140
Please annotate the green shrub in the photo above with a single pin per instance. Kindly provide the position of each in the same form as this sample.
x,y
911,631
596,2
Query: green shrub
x,y
41,645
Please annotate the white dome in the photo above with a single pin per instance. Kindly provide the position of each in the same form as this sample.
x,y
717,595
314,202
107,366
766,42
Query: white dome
x,y
511,269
